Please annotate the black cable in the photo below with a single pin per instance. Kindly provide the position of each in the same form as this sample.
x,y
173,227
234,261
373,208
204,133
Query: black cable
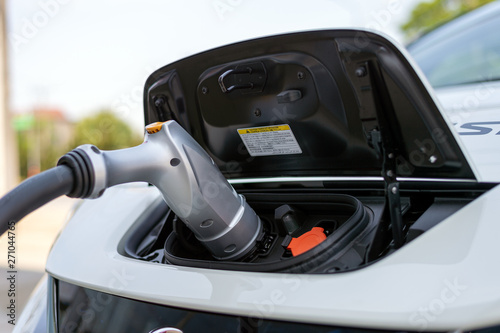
x,y
33,193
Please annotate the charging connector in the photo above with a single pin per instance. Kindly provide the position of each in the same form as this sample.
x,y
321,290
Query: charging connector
x,y
190,182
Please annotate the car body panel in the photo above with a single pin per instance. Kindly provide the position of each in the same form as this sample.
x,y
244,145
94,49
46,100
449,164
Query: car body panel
x,y
474,111
480,132
435,282
34,315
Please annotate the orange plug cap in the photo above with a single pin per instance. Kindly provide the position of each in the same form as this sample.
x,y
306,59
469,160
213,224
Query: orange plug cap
x,y
154,127
306,241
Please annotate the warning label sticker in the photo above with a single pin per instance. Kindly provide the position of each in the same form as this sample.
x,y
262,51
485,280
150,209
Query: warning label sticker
x,y
269,140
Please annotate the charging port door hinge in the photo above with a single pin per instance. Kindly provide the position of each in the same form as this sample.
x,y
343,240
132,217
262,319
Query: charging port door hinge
x,y
393,200
382,138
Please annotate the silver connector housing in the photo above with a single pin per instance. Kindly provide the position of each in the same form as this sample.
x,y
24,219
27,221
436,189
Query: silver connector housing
x,y
191,185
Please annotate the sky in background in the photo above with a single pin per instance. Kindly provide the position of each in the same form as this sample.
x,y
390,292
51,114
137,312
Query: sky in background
x,y
81,56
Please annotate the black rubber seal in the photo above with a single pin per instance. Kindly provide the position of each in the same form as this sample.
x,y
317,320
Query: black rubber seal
x,y
79,162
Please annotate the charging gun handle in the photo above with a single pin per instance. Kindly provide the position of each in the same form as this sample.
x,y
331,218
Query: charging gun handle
x,y
190,182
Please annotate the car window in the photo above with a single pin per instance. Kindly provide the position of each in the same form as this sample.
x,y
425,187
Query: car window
x,y
469,55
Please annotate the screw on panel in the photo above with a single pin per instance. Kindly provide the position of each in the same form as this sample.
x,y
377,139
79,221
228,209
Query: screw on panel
x,y
360,71
257,112
204,90
207,223
159,101
300,75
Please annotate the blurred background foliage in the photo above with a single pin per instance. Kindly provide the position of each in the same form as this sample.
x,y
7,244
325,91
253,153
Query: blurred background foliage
x,y
428,15
106,131
43,136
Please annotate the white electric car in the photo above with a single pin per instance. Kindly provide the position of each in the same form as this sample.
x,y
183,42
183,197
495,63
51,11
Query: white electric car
x,y
373,217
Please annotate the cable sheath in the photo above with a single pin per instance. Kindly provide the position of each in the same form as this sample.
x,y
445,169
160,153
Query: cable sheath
x,y
33,193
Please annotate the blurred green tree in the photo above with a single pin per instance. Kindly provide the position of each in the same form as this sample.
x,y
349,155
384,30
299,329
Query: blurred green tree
x,y
42,137
106,131
431,14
